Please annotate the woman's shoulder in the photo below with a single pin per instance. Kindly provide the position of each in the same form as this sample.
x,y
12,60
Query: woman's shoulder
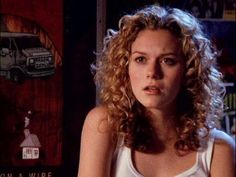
x,y
97,118
97,113
222,139
96,128
96,144
223,160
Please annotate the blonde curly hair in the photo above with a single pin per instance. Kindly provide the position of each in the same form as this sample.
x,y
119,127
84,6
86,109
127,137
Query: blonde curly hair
x,y
201,96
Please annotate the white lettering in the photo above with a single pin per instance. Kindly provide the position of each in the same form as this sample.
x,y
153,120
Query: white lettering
x,y
42,174
5,174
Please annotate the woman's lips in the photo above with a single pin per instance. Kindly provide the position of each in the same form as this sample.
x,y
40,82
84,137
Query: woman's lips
x,y
152,90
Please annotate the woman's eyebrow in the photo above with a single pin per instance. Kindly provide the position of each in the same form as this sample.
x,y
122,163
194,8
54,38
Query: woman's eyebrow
x,y
138,52
175,54
170,54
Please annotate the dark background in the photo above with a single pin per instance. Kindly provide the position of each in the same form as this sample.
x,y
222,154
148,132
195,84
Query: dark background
x,y
79,90
78,40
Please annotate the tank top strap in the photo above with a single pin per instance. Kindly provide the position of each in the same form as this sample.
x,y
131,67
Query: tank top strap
x,y
205,157
119,144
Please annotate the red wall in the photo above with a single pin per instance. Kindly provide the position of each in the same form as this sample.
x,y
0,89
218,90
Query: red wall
x,y
47,13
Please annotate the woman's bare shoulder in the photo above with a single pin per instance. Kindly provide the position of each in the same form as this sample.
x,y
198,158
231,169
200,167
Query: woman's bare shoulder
x,y
98,110
96,144
96,119
223,160
223,139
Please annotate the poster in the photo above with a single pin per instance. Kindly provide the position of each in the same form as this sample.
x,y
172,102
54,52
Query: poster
x,y
31,92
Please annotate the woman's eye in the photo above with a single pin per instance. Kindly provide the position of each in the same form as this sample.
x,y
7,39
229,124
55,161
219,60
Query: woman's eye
x,y
140,59
169,61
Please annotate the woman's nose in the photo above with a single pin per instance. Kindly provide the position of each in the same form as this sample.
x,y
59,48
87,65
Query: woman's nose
x,y
154,71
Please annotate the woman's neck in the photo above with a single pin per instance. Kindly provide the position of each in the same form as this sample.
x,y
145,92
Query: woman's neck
x,y
164,125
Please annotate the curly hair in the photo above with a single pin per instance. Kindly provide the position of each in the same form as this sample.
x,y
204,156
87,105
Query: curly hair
x,y
201,96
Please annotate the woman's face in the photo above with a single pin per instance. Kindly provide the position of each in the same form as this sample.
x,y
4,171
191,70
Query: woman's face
x,y
156,69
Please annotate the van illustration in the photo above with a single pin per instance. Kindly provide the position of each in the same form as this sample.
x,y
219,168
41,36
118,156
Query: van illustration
x,y
22,55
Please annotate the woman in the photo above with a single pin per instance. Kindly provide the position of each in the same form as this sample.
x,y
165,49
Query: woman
x,y
160,98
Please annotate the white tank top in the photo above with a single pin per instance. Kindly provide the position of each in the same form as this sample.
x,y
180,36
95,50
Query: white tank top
x,y
123,165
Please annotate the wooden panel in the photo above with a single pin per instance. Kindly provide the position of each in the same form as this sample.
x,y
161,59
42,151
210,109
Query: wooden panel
x,y
41,95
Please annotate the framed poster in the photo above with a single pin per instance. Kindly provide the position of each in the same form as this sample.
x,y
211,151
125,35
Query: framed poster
x,y
31,87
